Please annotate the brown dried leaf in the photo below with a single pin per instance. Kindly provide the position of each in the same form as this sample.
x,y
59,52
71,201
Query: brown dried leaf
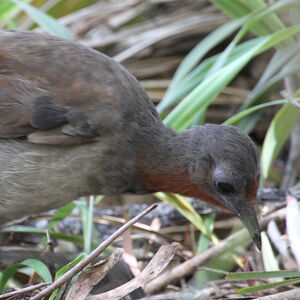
x,y
92,275
154,267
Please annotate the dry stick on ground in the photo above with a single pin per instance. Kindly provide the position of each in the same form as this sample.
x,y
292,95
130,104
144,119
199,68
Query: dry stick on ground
x,y
288,295
191,265
94,254
24,290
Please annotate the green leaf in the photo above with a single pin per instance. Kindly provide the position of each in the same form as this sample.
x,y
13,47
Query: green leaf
x,y
187,210
239,8
70,265
62,271
266,286
192,105
45,21
204,242
193,79
76,239
186,111
246,112
39,267
6,7
61,214
183,81
208,43
262,275
268,256
283,62
277,134
86,213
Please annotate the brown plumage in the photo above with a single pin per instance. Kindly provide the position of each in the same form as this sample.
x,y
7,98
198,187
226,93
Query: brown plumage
x,y
73,122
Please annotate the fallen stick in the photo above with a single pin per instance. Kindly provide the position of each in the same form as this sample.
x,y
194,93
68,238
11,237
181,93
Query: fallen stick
x,y
94,254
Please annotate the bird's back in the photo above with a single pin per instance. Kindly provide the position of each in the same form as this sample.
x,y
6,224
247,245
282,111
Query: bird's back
x,y
69,121
47,82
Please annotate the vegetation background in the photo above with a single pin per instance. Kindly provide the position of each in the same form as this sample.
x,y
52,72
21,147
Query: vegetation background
x,y
219,61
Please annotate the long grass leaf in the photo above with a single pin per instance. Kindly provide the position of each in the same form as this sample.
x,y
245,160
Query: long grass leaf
x,y
262,275
39,267
267,286
194,78
277,134
208,43
246,112
187,210
187,110
45,21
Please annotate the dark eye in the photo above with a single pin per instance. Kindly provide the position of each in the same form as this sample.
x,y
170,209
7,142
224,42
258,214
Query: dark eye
x,y
225,188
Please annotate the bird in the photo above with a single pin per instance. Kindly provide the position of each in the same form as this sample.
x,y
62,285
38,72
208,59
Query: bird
x,y
74,122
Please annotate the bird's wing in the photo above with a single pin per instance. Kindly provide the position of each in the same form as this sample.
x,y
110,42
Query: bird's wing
x,y
27,110
53,91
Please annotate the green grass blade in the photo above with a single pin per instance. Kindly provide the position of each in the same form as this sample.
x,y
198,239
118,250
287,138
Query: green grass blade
x,y
208,43
237,9
266,286
39,267
76,239
45,21
246,112
262,275
192,105
61,214
86,212
6,7
204,242
193,79
234,9
70,265
271,21
282,64
251,20
267,25
186,209
189,81
268,256
277,134
55,294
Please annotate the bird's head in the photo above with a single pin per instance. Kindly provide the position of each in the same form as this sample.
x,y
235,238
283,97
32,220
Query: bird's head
x,y
224,163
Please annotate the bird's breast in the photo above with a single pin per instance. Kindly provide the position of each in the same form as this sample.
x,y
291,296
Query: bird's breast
x,y
36,178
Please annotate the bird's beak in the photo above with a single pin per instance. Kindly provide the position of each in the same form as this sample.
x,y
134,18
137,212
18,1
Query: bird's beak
x,y
247,214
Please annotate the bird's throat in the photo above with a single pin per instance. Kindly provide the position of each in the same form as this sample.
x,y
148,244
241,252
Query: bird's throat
x,y
163,167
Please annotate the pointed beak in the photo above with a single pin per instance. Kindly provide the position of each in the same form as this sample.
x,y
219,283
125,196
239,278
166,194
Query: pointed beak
x,y
247,214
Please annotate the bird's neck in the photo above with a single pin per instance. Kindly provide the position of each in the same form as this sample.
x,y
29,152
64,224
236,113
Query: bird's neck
x,y
163,165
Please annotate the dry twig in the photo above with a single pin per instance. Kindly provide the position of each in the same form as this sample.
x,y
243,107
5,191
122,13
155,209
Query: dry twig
x,y
94,254
190,266
24,290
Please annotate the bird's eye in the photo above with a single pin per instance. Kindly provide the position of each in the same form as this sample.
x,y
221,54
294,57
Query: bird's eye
x,y
225,188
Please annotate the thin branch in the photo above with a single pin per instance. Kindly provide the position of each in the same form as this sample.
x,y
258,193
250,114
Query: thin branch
x,y
94,254
188,267
24,290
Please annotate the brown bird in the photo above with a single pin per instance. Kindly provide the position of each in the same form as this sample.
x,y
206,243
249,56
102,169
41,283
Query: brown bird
x,y
74,122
